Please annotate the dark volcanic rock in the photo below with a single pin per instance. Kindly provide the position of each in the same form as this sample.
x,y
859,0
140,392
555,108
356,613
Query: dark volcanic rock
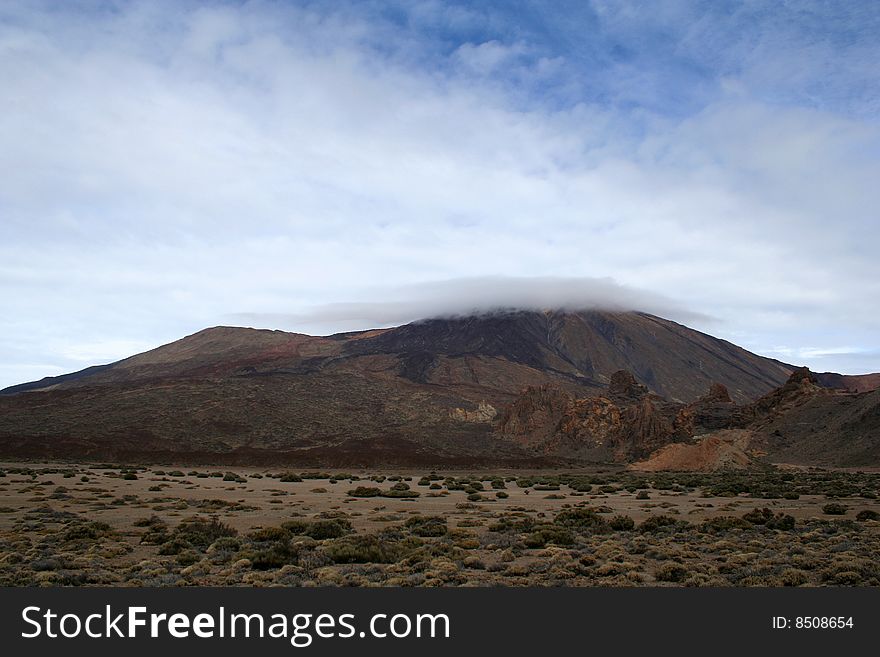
x,y
624,386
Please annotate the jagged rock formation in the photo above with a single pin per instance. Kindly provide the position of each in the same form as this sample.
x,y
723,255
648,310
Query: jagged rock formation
x,y
799,422
628,422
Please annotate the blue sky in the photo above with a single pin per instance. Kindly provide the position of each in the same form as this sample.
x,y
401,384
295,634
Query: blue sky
x,y
319,166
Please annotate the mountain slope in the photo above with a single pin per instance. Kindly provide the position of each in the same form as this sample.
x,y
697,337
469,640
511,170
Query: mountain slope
x,y
587,347
805,423
430,391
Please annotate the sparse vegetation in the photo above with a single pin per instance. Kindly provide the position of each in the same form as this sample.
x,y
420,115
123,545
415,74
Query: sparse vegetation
x,y
156,530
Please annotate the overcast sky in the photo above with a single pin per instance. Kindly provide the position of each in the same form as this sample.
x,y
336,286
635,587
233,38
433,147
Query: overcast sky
x,y
322,166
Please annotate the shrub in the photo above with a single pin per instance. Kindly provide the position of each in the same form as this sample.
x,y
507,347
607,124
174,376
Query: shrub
x,y
152,521
277,555
427,526
658,523
225,544
200,533
269,534
622,523
324,529
365,548
549,534
834,509
643,495
174,546
581,519
782,522
758,516
501,495
671,572
398,493
498,484
513,523
474,497
88,530
188,557
365,491
867,514
725,523
289,477
129,476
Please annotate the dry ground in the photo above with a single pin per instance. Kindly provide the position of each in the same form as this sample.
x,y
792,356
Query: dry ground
x,y
111,524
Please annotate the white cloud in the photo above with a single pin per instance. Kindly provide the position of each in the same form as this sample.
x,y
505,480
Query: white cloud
x,y
458,297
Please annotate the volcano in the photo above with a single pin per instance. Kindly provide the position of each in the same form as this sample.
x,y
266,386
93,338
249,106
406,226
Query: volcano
x,y
433,391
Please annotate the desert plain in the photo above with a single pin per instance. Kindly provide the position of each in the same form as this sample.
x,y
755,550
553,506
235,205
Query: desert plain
x,y
78,524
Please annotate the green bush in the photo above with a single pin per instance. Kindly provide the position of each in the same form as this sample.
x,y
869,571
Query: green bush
x,y
512,523
200,533
580,485
152,521
725,523
671,572
269,534
365,491
621,523
87,531
173,546
758,516
780,521
581,519
867,514
427,526
400,493
365,548
549,534
323,529
658,523
834,509
275,556
289,477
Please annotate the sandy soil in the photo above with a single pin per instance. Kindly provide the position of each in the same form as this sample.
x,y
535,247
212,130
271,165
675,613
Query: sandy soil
x,y
37,500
